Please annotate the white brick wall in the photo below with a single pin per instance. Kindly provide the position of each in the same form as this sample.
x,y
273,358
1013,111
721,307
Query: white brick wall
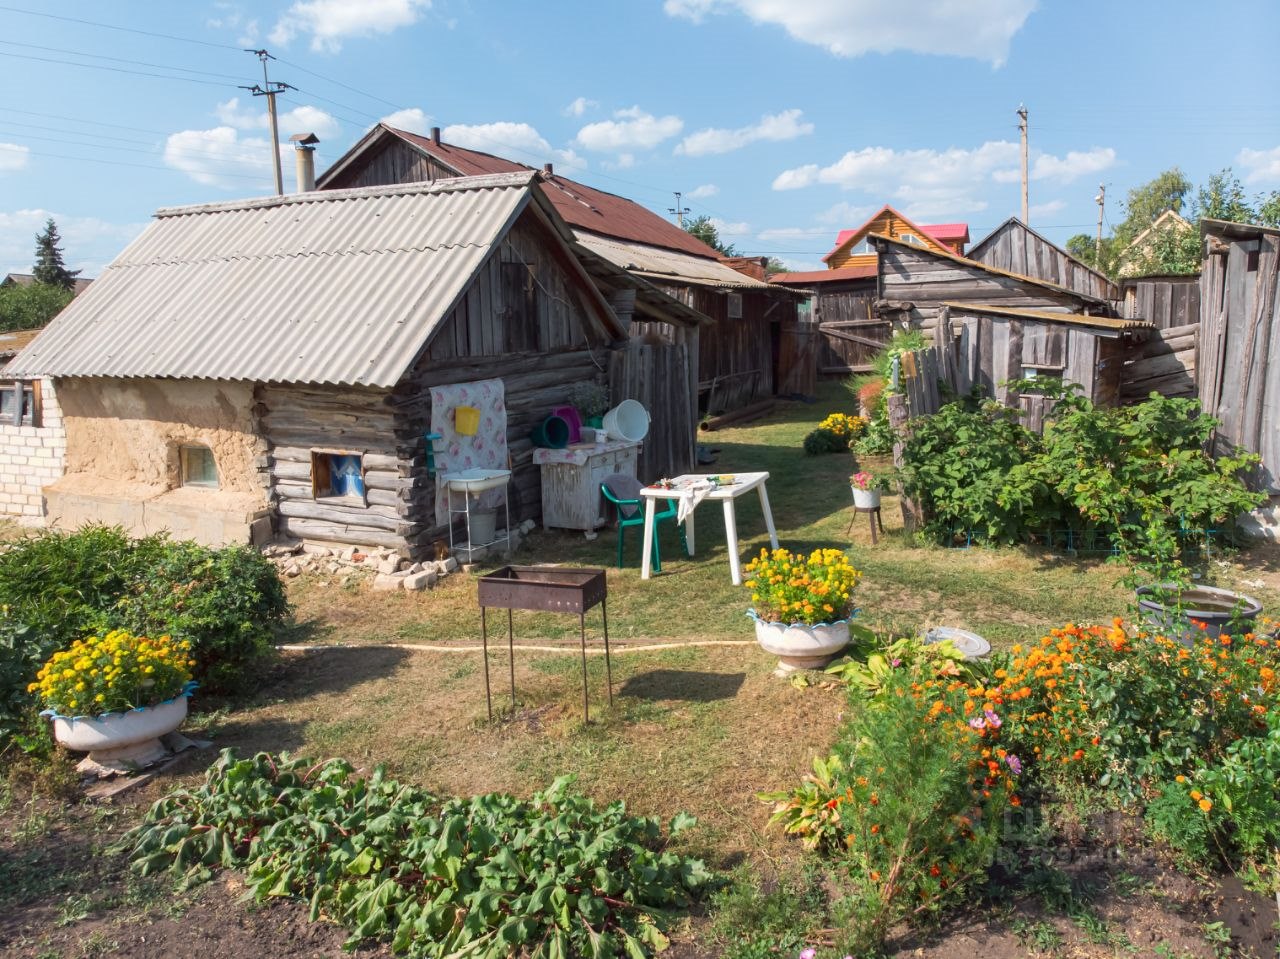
x,y
32,457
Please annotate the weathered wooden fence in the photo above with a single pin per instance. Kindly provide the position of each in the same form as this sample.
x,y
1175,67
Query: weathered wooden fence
x,y
1165,364
657,375
1167,302
798,345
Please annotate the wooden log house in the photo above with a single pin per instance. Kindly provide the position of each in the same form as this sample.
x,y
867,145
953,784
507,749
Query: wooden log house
x,y
310,329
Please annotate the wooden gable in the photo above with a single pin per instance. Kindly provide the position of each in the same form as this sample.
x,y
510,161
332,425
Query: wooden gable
x,y
888,222
1015,247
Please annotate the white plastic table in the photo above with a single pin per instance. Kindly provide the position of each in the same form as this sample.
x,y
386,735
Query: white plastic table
x,y
680,488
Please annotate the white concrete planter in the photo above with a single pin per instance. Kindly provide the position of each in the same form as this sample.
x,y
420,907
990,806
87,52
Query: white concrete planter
x,y
865,498
123,741
799,646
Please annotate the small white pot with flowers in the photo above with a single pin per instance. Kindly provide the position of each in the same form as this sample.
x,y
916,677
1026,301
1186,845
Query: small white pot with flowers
x,y
866,489
802,605
114,696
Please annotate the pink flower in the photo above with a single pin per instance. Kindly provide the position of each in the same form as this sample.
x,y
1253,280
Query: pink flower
x,y
1014,764
809,953
994,721
977,722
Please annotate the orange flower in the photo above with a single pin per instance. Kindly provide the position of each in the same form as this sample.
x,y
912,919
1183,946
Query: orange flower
x,y
1205,805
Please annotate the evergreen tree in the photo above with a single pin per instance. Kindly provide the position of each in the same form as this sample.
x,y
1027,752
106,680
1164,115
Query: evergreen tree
x,y
49,267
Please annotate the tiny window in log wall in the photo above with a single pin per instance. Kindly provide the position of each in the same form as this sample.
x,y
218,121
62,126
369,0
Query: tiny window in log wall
x,y
520,297
199,467
735,306
1251,261
20,402
338,475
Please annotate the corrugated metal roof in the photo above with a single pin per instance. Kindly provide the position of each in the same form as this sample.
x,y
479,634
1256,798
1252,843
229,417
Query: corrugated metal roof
x,y
1049,316
839,275
663,264
341,287
582,206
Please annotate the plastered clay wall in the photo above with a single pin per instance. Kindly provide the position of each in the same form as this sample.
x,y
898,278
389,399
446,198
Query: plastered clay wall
x,y
123,461
31,457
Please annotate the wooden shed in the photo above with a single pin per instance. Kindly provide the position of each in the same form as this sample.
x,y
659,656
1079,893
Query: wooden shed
x,y
842,304
1239,382
914,283
997,344
281,360
1016,248
743,353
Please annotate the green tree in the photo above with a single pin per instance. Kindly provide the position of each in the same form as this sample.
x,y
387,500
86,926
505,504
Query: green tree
x,y
1223,198
32,306
1144,204
49,267
705,230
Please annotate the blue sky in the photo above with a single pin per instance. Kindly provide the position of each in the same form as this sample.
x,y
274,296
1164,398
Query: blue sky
x,y
785,120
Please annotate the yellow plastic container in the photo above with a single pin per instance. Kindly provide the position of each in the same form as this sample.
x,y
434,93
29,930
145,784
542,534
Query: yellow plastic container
x,y
466,420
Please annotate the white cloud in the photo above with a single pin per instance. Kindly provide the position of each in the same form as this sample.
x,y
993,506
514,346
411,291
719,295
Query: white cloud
x,y
88,244
301,119
630,129
219,157
702,192
579,106
786,125
1046,209
1073,166
412,120
623,161
935,183
1260,166
329,22
981,29
727,230
786,234
13,157
846,214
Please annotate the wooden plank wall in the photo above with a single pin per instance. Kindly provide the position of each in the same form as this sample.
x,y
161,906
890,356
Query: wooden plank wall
x,y
657,375
395,163
296,420
1240,313
1164,364
1016,248
735,357
921,283
852,332
798,359
1164,301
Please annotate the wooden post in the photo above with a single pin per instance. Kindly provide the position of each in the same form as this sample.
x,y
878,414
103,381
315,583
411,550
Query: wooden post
x,y
898,420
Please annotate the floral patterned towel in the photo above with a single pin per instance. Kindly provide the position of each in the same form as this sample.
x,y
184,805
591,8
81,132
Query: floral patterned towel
x,y
487,449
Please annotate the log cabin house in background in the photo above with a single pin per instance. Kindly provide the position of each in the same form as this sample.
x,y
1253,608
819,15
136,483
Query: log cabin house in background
x,y
742,354
236,366
843,296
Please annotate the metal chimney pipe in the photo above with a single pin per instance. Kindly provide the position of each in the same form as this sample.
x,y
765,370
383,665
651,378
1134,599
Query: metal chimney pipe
x,y
305,160
546,168
435,135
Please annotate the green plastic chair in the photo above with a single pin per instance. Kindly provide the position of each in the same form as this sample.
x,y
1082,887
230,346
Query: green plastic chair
x,y
623,491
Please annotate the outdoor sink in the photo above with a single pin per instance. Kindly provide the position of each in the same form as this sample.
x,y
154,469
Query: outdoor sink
x,y
476,480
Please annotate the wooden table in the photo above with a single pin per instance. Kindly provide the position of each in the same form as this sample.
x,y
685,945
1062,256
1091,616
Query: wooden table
x,y
681,488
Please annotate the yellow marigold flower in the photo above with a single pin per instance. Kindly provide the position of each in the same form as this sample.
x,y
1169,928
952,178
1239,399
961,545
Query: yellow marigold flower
x,y
1205,805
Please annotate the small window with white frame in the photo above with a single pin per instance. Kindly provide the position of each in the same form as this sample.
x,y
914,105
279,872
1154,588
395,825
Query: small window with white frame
x,y
199,468
19,403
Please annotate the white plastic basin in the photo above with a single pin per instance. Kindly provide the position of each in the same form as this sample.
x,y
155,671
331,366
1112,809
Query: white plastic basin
x,y
476,480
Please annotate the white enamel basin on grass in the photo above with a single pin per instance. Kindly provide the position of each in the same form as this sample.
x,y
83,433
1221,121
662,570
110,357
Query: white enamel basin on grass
x,y
476,480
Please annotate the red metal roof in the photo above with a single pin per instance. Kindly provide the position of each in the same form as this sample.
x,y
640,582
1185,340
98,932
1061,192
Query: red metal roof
x,y
582,207
942,232
825,276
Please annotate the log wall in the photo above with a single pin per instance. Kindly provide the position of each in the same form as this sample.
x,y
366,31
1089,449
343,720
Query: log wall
x,y
1164,364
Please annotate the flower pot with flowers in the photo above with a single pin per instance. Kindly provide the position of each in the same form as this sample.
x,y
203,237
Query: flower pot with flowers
x,y
802,605
867,488
114,696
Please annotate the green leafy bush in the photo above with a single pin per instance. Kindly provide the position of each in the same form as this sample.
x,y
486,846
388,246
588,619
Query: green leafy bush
x,y
1137,476
821,441
58,587
489,877
910,804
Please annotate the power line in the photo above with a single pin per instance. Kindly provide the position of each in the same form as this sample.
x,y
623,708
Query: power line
x,y
264,181
99,66
101,56
112,26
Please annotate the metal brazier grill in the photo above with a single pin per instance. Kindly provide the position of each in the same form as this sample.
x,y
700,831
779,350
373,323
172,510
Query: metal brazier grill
x,y
554,589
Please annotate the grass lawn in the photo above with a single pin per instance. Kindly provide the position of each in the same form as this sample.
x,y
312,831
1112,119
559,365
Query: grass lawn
x,y
701,728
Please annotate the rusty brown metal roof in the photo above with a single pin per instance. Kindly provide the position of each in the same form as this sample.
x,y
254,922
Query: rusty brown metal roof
x,y
843,274
582,207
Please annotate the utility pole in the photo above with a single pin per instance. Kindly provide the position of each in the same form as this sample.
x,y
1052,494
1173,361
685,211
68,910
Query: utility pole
x,y
678,210
1101,200
1022,128
270,89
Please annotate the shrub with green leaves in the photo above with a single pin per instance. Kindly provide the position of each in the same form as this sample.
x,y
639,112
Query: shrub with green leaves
x,y
58,587
551,877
